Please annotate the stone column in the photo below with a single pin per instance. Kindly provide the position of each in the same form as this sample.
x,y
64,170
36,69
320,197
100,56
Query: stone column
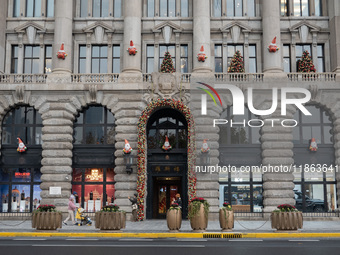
x,y
132,31
63,15
272,62
201,34
3,15
334,25
57,153
277,151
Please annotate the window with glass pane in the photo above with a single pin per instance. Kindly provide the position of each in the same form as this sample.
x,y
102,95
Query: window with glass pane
x,y
318,7
300,49
284,8
48,59
83,8
321,60
167,48
234,8
185,8
217,8
252,59
167,8
251,8
150,58
99,59
100,8
49,8
232,50
116,59
33,8
16,8
218,59
14,60
151,8
286,58
117,8
301,7
95,125
24,122
31,59
82,59
184,58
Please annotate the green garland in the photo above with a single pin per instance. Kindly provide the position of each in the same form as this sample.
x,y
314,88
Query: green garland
x,y
142,146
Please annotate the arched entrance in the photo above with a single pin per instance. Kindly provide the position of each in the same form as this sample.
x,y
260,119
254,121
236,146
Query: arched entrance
x,y
166,170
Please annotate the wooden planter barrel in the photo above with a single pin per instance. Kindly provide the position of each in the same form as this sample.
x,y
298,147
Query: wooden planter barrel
x,y
174,219
46,220
287,220
226,220
110,220
200,221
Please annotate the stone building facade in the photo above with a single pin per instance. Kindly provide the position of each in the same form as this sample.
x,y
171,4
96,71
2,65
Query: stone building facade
x,y
98,71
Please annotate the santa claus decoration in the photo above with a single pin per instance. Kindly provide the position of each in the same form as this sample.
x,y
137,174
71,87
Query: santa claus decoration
x,y
132,50
205,147
166,145
127,148
313,145
273,47
21,147
61,53
201,56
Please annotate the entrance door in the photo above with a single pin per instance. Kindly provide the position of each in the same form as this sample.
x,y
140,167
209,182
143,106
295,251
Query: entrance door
x,y
165,190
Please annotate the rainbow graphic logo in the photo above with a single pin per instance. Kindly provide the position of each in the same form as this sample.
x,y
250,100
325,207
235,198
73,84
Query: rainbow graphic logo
x,y
204,97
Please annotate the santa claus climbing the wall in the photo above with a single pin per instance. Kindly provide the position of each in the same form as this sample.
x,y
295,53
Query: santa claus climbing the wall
x,y
205,147
21,146
166,145
127,148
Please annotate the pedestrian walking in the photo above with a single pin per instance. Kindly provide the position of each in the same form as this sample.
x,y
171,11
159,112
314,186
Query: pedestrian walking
x,y
71,209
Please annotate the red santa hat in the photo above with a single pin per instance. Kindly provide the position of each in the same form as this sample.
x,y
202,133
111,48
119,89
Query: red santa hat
x,y
274,41
62,48
131,44
202,49
20,141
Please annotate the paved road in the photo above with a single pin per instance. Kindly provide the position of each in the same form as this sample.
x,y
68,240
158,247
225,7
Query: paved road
x,y
87,246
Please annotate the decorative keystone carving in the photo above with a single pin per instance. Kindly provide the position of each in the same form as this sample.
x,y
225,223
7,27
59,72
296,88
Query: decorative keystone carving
x,y
314,91
20,93
93,93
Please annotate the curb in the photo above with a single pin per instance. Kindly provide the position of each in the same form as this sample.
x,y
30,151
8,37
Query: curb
x,y
205,235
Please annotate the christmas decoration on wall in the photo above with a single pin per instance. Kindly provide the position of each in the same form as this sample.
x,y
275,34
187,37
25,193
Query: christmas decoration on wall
x,y
205,147
201,56
61,54
166,146
167,64
305,64
273,47
142,146
127,148
21,147
236,63
132,50
313,145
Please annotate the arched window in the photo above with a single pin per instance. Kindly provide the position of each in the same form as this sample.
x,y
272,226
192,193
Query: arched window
x,y
239,146
20,172
315,184
93,158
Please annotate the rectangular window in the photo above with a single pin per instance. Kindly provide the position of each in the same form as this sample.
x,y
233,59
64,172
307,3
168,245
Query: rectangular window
x,y
151,8
49,8
100,8
184,58
284,8
232,50
318,8
31,59
83,8
117,9
116,59
48,59
33,8
300,49
286,58
252,59
234,8
217,8
301,7
14,62
185,8
321,59
251,8
218,59
82,59
150,58
167,48
167,8
99,59
16,8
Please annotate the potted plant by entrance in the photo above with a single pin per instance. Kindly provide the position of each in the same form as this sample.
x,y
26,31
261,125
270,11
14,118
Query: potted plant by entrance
x,y
198,213
46,217
174,217
110,218
226,217
286,217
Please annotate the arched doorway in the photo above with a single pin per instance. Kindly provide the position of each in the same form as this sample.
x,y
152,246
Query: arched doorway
x,y
166,170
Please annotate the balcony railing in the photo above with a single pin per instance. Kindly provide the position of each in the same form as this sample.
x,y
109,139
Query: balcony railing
x,y
297,77
239,77
95,78
23,78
